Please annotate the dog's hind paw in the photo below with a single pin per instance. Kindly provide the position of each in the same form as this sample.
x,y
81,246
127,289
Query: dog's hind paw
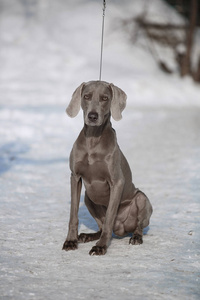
x,y
88,237
97,250
136,239
84,238
70,245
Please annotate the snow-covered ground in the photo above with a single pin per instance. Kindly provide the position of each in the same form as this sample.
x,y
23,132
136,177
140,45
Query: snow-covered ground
x,y
47,49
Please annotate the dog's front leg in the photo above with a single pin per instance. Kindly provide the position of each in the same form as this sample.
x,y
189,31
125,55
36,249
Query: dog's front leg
x,y
115,198
71,242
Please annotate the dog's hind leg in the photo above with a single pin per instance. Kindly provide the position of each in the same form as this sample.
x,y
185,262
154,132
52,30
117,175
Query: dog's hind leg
x,y
98,213
143,215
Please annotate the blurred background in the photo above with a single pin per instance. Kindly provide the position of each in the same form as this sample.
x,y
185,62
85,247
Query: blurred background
x,y
49,47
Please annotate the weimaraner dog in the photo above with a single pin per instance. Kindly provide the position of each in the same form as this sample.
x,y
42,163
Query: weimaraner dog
x,y
111,197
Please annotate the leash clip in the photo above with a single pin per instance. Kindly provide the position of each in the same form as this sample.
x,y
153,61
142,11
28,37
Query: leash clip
x,y
104,7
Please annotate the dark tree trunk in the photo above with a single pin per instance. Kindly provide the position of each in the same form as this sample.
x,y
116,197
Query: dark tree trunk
x,y
197,73
186,63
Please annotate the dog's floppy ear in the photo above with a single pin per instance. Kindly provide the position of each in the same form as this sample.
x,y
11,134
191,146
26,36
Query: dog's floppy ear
x,y
75,103
118,102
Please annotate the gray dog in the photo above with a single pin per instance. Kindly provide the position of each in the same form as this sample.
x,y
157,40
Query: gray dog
x,y
111,197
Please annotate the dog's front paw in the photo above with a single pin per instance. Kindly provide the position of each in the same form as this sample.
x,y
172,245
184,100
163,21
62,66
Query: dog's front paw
x,y
70,245
98,250
136,239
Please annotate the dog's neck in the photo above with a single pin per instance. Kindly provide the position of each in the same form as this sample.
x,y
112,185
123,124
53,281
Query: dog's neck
x,y
97,131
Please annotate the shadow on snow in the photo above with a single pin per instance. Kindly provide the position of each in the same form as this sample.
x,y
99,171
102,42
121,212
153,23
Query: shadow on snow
x,y
10,155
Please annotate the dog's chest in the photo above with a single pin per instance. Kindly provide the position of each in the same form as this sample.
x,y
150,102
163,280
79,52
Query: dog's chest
x,y
95,175
92,166
91,159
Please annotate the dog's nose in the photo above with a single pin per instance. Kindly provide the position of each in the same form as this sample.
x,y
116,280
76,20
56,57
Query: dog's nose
x,y
93,116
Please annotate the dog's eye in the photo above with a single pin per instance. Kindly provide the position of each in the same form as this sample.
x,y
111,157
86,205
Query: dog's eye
x,y
86,97
104,98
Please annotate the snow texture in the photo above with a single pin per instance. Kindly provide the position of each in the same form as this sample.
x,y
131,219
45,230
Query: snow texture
x,y
47,49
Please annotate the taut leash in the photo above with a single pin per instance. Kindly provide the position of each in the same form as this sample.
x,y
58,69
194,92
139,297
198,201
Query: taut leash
x,y
102,36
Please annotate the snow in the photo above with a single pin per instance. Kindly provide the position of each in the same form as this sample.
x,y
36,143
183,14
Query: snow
x,y
48,48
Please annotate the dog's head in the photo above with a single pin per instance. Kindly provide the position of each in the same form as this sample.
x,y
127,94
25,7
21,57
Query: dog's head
x,y
97,99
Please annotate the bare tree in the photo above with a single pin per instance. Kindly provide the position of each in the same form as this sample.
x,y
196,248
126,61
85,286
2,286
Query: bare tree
x,y
186,61
179,38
